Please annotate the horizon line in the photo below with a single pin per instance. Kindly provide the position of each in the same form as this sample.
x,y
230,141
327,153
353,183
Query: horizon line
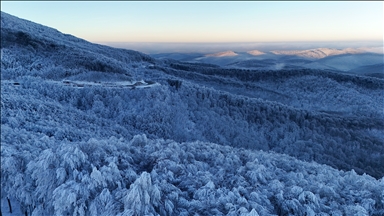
x,y
244,42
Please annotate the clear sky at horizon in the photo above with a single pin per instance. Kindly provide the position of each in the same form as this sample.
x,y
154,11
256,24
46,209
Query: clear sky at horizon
x,y
198,21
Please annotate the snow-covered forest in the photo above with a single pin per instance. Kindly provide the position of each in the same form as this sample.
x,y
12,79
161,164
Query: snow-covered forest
x,y
88,129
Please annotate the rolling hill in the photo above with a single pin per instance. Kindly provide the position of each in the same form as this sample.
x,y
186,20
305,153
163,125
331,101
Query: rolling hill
x,y
375,70
317,53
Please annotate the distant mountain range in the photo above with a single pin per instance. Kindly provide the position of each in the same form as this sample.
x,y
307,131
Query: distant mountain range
x,y
318,53
222,54
346,60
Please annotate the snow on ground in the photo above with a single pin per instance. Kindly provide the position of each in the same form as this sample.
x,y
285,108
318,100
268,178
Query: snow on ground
x,y
123,84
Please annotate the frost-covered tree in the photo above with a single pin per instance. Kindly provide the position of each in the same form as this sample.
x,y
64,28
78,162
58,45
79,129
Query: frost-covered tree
x,y
141,196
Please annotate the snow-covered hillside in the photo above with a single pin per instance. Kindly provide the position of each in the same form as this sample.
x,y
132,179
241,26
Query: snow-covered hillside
x,y
88,129
255,52
317,53
222,54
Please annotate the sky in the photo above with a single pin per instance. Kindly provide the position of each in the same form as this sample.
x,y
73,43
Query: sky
x,y
207,21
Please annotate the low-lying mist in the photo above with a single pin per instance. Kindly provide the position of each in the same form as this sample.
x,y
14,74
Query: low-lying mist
x,y
153,48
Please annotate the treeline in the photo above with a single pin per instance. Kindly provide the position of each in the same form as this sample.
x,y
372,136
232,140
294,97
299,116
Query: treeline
x,y
37,53
259,75
342,142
